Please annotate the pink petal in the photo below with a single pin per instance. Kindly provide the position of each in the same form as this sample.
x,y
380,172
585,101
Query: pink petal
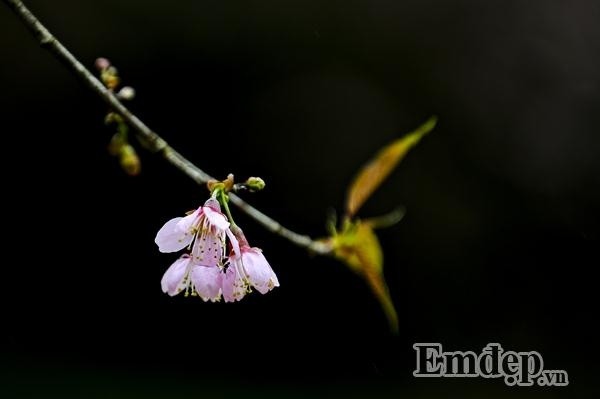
x,y
260,274
213,203
234,288
227,285
172,239
173,280
215,218
208,281
208,249
187,223
234,242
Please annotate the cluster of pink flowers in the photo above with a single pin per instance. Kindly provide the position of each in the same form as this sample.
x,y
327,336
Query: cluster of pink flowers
x,y
208,270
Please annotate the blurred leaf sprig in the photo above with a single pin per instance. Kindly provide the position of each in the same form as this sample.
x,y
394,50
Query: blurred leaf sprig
x,y
355,242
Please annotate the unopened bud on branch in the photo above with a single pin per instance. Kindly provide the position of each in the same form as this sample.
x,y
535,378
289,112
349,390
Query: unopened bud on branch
x,y
255,183
126,93
102,63
129,160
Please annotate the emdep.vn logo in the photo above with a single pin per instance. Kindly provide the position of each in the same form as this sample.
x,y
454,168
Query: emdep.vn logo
x,y
517,368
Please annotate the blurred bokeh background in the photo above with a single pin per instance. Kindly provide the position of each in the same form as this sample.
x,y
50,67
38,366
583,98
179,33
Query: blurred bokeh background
x,y
499,243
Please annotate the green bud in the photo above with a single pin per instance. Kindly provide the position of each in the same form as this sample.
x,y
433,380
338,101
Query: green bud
x,y
129,160
116,143
112,117
110,78
255,183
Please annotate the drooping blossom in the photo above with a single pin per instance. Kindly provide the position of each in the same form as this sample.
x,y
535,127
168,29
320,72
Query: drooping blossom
x,y
247,268
204,230
258,271
206,271
194,279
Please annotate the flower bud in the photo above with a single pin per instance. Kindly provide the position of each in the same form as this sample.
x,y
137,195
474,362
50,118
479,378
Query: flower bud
x,y
102,63
129,160
110,77
112,117
255,183
126,93
110,81
111,70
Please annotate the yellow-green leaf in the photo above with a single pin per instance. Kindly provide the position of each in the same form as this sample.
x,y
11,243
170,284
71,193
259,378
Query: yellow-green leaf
x,y
375,172
358,247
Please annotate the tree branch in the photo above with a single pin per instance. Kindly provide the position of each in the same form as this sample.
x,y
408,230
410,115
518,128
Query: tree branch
x,y
155,143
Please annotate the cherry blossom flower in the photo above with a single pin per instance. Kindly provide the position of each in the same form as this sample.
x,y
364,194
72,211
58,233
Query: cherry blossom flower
x,y
259,273
194,279
204,230
247,268
206,271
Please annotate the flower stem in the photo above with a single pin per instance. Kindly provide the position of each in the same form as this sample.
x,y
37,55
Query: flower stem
x,y
224,201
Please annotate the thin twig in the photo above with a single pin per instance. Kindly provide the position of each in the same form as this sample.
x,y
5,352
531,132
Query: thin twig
x,y
154,142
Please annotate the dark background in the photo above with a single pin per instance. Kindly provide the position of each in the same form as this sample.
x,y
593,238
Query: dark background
x,y
499,244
